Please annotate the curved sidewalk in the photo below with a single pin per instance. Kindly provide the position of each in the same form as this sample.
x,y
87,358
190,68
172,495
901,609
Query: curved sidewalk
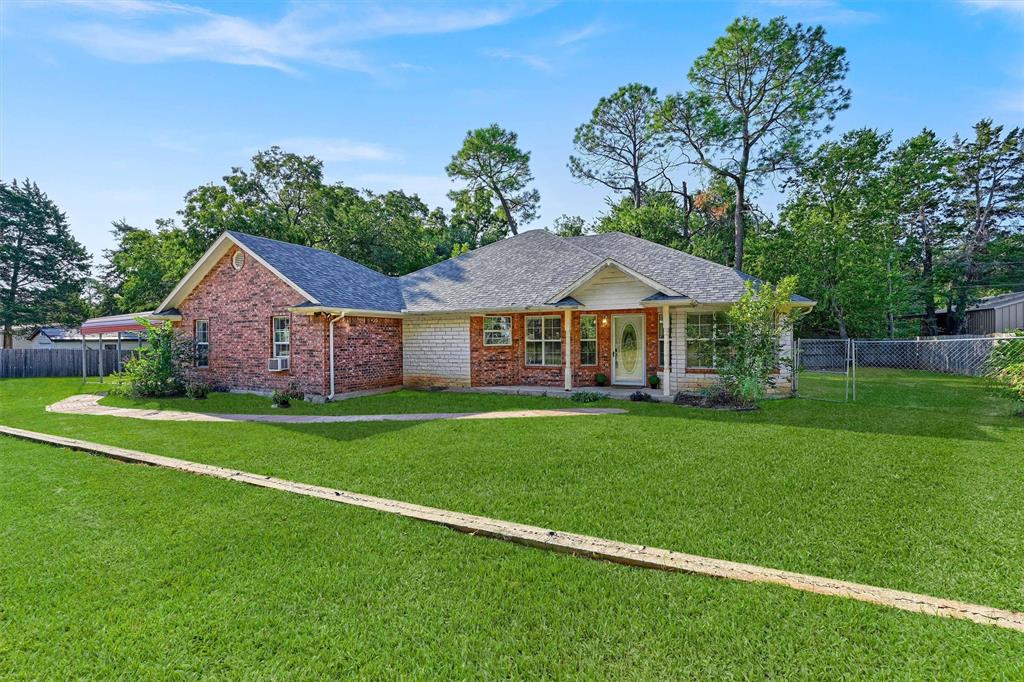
x,y
88,403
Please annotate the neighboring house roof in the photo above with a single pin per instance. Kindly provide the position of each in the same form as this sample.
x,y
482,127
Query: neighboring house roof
x,y
999,301
66,335
535,269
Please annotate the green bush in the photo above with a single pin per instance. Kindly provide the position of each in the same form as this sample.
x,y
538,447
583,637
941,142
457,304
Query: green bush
x,y
600,379
197,390
753,356
1006,366
159,367
284,398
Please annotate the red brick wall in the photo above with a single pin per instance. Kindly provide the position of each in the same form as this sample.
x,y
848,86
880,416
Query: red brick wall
x,y
367,353
240,306
506,365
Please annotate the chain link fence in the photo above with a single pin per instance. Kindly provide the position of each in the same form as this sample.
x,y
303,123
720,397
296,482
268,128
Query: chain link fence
x,y
842,369
824,369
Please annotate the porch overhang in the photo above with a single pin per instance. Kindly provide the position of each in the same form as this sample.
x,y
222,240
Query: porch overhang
x,y
313,309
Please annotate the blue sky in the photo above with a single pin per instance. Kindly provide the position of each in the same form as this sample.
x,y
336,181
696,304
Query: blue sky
x,y
118,108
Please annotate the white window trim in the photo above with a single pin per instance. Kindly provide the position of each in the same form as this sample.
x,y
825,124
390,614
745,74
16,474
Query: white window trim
x,y
273,337
712,340
542,341
597,352
195,334
485,330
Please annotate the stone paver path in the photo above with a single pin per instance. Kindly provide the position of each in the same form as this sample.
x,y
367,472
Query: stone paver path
x,y
571,543
88,403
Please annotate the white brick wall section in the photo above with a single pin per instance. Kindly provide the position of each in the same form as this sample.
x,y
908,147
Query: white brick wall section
x,y
436,346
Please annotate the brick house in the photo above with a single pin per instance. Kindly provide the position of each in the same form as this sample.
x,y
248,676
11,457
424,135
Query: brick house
x,y
536,309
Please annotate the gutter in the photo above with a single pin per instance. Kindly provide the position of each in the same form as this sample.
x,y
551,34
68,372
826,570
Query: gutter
x,y
330,327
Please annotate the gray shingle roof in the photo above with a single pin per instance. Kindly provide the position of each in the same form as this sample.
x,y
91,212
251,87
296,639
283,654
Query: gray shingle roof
x,y
700,279
333,280
523,271
528,270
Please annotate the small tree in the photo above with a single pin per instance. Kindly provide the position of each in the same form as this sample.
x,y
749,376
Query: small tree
x,y
758,321
159,369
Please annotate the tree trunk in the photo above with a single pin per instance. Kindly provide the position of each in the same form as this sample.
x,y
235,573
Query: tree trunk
x,y
8,336
840,319
508,214
931,320
739,229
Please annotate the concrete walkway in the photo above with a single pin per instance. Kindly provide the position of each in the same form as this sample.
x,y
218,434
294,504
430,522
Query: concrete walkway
x,y
88,403
572,543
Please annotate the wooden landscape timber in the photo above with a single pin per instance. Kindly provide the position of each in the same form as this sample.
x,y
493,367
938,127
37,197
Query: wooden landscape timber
x,y
570,543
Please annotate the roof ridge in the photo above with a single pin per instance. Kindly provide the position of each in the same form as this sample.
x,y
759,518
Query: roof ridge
x,y
686,254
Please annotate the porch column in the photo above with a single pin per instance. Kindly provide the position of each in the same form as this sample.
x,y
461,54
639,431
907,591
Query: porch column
x,y
84,375
119,351
568,350
101,356
666,349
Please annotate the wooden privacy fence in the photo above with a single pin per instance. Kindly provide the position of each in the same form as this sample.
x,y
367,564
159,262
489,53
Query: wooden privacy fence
x,y
59,362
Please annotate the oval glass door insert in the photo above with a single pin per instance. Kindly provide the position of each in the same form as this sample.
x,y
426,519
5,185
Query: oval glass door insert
x,y
628,348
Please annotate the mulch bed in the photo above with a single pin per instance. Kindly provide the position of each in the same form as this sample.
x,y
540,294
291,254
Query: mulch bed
x,y
712,402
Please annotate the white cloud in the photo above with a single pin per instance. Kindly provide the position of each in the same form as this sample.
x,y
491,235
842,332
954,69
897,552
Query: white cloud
x,y
532,60
1009,6
591,30
823,12
146,31
337,149
432,189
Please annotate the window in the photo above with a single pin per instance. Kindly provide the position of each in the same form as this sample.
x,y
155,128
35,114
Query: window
x,y
544,341
282,337
497,331
706,339
661,339
202,336
588,339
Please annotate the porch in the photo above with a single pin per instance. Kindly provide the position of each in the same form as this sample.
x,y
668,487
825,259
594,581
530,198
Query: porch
x,y
614,392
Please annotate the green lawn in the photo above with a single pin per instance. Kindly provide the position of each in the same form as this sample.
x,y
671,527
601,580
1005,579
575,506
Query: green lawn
x,y
917,486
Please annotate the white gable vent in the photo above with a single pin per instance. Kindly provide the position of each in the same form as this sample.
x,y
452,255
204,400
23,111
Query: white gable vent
x,y
238,260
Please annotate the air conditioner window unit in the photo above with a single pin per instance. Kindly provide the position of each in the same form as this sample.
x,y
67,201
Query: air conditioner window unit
x,y
277,364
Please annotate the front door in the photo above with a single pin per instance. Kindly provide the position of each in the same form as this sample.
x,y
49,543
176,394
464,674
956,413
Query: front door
x,y
628,349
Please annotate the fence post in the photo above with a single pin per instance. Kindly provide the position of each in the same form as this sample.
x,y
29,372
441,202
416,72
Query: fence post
x,y
853,370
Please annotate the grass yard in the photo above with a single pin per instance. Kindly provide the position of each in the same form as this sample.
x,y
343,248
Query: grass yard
x,y
112,567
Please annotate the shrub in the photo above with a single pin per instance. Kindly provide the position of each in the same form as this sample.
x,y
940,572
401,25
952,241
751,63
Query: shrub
x,y
159,367
654,380
1006,366
197,390
714,396
284,398
753,347
587,396
600,379
640,397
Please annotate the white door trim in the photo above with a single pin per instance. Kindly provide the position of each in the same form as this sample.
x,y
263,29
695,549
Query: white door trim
x,y
638,322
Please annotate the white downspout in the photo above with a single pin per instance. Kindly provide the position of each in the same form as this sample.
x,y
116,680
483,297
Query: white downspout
x,y
330,327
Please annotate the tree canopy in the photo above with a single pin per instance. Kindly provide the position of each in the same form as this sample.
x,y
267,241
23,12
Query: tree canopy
x,y
758,96
491,159
43,268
